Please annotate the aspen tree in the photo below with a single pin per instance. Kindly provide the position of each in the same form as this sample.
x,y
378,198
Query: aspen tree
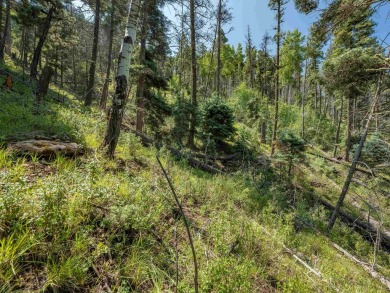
x,y
122,78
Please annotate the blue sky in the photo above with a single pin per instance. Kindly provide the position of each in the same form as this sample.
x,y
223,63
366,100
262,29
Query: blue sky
x,y
260,19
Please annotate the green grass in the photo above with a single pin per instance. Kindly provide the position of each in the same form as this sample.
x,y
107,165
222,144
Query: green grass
x,y
88,224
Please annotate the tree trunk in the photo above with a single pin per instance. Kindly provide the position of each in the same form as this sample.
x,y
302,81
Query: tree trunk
x,y
304,93
218,81
74,69
41,42
320,98
349,128
181,45
103,98
352,169
55,66
23,51
1,17
91,78
338,128
211,61
120,97
276,115
8,38
62,71
139,125
43,84
263,132
7,21
194,103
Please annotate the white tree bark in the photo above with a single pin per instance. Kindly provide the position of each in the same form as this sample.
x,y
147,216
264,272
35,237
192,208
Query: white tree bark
x,y
129,40
122,79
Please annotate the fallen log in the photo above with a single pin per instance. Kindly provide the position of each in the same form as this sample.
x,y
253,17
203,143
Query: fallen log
x,y
366,267
369,229
371,173
340,163
148,141
45,148
221,158
301,261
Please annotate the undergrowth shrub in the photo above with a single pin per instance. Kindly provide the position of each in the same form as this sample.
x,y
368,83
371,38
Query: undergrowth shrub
x,y
216,121
375,151
291,148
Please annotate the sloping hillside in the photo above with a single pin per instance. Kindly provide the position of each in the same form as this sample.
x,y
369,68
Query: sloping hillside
x,y
89,224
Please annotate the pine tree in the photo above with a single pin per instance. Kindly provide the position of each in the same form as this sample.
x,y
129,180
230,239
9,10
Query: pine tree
x,y
92,69
194,101
277,5
351,54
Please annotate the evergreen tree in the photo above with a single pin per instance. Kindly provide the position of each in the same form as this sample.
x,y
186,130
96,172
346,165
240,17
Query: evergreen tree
x,y
352,53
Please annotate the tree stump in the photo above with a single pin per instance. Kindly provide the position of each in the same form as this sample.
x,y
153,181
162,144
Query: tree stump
x,y
8,83
43,84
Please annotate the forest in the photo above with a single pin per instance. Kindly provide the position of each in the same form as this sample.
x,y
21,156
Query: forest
x,y
142,151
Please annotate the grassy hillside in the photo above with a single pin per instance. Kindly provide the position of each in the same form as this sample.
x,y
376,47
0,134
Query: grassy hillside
x,y
89,224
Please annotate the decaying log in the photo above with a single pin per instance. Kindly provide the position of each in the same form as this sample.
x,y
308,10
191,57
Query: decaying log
x,y
361,225
45,148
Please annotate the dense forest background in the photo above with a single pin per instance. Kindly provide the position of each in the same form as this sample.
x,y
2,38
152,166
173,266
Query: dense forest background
x,y
277,154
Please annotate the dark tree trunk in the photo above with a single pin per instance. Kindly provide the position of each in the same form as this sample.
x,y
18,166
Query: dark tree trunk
x,y
349,128
116,115
264,132
91,78
352,169
304,93
139,125
41,42
276,116
194,103
55,66
103,99
8,38
218,81
23,52
338,128
62,71
1,16
43,84
74,70
7,21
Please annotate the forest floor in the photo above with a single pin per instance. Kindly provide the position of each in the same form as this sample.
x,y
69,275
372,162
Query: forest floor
x,y
90,224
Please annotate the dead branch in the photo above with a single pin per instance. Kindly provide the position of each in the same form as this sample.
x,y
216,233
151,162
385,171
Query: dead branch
x,y
185,223
367,268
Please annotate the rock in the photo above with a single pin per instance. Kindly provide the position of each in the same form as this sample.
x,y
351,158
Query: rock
x,y
45,148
